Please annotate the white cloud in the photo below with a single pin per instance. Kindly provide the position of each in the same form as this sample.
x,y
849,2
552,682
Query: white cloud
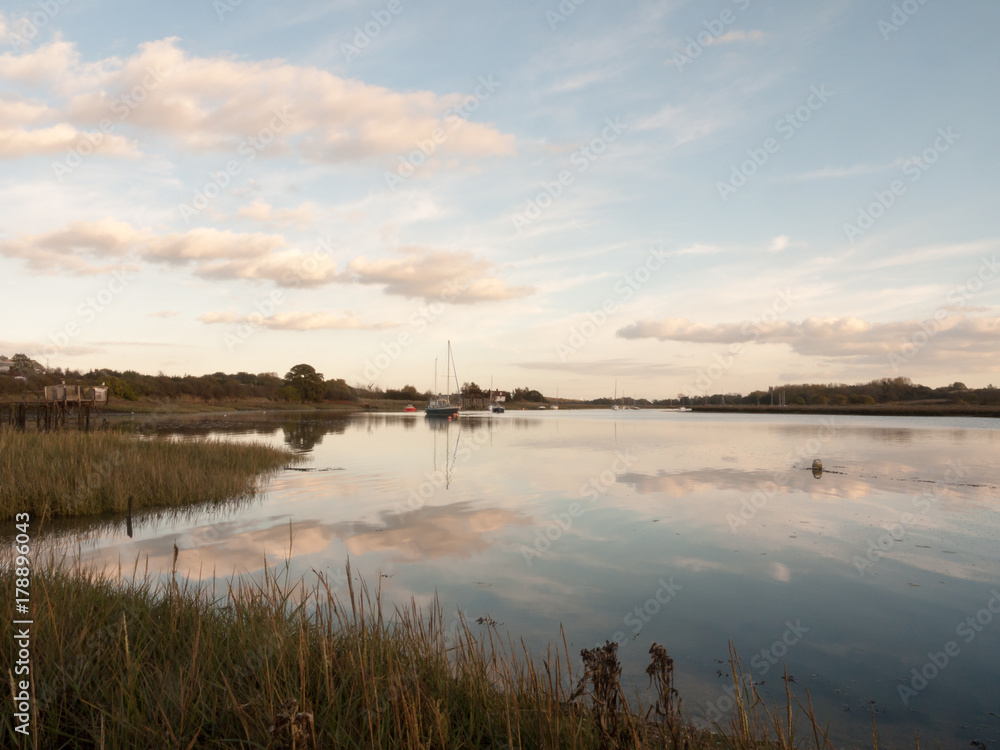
x,y
456,277
291,268
39,350
697,249
739,35
952,337
294,321
68,249
217,103
831,172
19,112
779,243
56,139
684,124
261,211
212,253
219,316
205,244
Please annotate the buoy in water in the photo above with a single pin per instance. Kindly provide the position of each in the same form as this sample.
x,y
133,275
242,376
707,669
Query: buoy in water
x,y
817,468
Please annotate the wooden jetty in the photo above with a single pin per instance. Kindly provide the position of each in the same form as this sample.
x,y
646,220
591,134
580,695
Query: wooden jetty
x,y
55,406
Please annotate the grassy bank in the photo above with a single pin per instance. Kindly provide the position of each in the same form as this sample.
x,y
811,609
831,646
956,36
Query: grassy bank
x,y
138,665
77,474
208,406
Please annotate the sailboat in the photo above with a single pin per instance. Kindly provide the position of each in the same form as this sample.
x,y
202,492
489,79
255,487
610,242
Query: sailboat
x,y
495,405
614,404
442,406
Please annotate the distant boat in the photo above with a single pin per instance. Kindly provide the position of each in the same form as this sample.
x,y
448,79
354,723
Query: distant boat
x,y
615,406
410,407
442,406
495,405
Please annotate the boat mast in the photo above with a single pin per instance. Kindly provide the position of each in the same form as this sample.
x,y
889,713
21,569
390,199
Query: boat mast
x,y
455,370
447,373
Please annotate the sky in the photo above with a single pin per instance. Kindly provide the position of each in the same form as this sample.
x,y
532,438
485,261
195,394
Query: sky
x,y
583,197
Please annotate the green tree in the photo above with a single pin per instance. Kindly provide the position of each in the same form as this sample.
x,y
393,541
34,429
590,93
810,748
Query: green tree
x,y
471,390
25,365
406,393
122,389
338,390
309,383
526,394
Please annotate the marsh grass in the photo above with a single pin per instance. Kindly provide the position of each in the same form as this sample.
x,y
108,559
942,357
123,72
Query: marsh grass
x,y
79,474
278,663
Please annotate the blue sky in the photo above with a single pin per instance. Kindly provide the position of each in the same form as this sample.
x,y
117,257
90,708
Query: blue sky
x,y
683,197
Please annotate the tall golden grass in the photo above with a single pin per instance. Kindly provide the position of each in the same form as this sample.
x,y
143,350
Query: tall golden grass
x,y
77,474
283,664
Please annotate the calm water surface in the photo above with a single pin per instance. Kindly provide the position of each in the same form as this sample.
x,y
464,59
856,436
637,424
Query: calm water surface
x,y
688,530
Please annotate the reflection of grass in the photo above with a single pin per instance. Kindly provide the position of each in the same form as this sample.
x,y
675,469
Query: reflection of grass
x,y
77,474
88,530
177,665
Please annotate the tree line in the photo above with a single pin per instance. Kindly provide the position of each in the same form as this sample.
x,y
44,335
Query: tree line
x,y
302,383
879,391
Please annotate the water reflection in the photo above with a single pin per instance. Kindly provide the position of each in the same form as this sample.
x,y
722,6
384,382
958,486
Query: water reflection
x,y
457,530
581,519
305,434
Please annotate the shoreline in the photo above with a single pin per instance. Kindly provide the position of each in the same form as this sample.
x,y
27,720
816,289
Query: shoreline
x,y
868,410
153,408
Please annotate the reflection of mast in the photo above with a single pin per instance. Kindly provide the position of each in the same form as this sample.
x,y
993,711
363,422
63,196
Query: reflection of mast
x,y
450,456
454,458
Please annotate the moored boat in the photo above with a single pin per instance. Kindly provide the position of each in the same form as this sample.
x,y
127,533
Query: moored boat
x,y
442,405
